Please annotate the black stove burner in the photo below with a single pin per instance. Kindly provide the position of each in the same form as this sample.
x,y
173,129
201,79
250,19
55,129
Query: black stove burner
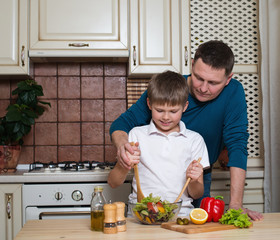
x,y
71,165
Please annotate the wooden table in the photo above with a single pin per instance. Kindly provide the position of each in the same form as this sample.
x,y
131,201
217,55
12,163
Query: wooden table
x,y
77,229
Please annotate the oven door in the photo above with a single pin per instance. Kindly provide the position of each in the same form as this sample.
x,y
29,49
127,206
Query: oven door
x,y
56,212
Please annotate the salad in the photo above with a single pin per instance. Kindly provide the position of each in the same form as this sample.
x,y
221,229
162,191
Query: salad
x,y
152,210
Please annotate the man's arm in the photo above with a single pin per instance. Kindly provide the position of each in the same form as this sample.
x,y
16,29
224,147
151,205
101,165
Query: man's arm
x,y
137,115
237,178
117,176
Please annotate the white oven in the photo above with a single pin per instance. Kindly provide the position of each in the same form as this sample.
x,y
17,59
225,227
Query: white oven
x,y
65,200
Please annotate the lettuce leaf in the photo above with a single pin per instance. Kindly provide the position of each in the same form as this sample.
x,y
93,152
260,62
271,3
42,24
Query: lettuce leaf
x,y
236,218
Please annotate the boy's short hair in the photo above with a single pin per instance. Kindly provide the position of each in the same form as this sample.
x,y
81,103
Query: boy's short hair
x,y
216,54
169,88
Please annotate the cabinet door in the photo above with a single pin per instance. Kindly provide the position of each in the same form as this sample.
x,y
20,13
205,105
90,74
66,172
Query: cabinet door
x,y
158,36
59,27
13,28
10,211
253,193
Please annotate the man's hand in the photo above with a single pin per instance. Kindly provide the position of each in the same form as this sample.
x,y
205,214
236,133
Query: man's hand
x,y
120,140
254,215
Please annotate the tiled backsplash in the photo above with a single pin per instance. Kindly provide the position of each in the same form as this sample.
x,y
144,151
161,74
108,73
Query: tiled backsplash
x,y
85,99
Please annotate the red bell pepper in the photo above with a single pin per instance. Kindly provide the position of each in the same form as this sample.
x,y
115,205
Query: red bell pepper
x,y
214,207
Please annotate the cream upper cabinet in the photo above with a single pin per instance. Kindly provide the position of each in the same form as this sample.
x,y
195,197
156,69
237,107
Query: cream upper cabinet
x,y
13,28
159,37
72,28
10,210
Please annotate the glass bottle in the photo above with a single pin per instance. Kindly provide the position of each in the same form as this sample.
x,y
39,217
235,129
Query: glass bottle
x,y
97,210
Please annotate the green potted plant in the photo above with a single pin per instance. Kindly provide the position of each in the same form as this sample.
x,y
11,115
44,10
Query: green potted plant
x,y
18,121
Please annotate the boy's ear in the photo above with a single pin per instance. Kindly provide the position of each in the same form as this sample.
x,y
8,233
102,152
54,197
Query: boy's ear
x,y
149,104
186,106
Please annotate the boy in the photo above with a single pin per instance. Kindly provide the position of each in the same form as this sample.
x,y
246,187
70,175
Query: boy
x,y
168,150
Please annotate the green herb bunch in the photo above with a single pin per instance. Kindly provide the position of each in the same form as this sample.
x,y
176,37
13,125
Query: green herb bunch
x,y
21,115
236,218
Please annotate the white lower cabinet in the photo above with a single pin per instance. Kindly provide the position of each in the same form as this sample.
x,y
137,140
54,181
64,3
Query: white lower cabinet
x,y
253,192
10,211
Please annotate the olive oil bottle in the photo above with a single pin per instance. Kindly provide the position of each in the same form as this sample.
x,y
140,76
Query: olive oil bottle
x,y
97,210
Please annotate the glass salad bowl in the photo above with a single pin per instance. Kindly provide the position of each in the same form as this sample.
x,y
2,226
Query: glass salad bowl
x,y
154,211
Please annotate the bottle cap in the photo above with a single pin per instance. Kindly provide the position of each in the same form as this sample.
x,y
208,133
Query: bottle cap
x,y
98,189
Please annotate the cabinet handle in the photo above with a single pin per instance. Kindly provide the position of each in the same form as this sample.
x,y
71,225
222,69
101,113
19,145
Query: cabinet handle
x,y
9,205
22,56
228,184
186,56
78,45
134,55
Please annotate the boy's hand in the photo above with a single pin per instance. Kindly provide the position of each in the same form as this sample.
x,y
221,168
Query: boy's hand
x,y
194,170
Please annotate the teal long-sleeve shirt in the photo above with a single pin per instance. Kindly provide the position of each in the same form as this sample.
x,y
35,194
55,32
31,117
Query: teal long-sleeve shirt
x,y
221,122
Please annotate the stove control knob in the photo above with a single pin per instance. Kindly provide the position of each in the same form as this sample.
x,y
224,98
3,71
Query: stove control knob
x,y
77,195
58,195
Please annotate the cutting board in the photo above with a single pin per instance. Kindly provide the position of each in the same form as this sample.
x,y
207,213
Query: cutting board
x,y
194,228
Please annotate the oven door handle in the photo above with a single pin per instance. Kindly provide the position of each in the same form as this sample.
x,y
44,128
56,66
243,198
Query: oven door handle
x,y
42,214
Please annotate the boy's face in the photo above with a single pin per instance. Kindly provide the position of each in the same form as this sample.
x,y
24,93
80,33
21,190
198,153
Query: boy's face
x,y
207,83
166,117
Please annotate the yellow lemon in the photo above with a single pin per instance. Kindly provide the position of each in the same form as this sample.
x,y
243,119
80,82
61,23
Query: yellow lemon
x,y
198,216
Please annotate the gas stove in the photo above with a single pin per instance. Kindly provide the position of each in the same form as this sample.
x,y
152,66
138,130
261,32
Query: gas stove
x,y
69,167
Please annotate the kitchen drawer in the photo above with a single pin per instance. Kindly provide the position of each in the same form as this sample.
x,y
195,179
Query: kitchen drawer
x,y
225,184
250,196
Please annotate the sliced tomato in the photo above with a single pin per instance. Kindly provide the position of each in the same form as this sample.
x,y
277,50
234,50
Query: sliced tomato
x,y
152,207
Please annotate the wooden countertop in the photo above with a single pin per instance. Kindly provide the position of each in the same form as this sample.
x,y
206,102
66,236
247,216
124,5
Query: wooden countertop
x,y
75,229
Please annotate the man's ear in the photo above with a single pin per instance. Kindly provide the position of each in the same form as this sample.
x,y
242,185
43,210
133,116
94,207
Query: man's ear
x,y
186,106
149,104
229,78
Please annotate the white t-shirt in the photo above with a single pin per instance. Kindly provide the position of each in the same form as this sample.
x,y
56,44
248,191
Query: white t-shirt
x,y
164,161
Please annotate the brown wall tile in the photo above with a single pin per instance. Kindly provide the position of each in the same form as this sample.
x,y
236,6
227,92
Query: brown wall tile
x,y
3,105
49,85
92,110
69,153
69,110
93,153
92,87
115,69
115,87
46,154
50,114
29,139
68,69
114,108
107,135
92,69
92,133
69,133
46,134
26,155
45,69
4,90
69,87
110,153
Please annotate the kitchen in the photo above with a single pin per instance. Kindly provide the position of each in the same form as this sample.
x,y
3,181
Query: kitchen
x,y
98,85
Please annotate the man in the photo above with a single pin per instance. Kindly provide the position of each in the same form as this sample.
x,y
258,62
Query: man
x,y
217,110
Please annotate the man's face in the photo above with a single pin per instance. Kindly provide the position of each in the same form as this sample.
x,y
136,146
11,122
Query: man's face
x,y
207,83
